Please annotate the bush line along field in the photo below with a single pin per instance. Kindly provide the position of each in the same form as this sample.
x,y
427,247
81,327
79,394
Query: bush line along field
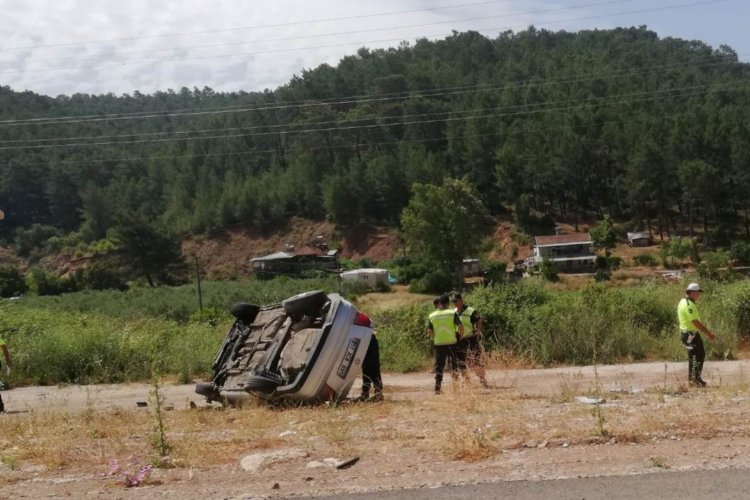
x,y
100,337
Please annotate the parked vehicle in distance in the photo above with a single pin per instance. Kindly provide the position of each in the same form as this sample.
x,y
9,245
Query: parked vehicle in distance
x,y
309,348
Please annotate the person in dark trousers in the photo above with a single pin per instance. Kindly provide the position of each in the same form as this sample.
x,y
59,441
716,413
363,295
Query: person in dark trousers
x,y
469,349
691,327
8,367
371,376
446,330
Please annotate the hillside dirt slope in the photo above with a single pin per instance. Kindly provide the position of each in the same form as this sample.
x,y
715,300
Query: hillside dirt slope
x,y
226,255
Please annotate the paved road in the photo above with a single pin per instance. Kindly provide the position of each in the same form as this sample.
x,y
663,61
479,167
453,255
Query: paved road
x,y
715,485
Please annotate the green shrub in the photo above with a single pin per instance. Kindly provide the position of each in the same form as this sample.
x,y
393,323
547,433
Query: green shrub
x,y
11,281
433,282
101,276
602,275
408,269
354,288
504,308
715,266
41,282
212,316
101,247
68,243
596,324
549,271
404,344
114,336
178,303
732,304
495,271
53,347
648,308
740,251
33,238
645,259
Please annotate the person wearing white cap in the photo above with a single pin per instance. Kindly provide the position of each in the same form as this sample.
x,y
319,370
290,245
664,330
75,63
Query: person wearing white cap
x,y
691,326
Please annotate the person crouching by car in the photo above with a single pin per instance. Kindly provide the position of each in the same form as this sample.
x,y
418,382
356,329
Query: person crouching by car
x,y
445,328
371,376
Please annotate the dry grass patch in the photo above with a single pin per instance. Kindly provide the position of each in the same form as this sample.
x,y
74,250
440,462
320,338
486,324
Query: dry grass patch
x,y
568,387
469,442
466,423
399,296
659,462
506,359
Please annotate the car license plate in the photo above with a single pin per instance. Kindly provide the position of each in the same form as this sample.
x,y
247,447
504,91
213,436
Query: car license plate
x,y
351,350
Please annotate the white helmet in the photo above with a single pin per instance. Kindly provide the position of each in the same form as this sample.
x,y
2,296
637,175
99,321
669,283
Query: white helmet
x,y
693,287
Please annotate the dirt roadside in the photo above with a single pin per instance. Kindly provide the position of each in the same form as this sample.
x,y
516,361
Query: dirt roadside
x,y
529,425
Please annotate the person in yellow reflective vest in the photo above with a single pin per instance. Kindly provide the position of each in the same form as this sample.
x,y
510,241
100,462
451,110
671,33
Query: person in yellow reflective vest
x,y
691,327
446,330
469,349
8,367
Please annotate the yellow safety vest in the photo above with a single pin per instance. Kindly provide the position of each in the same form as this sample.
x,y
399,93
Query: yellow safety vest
x,y
687,311
443,327
465,317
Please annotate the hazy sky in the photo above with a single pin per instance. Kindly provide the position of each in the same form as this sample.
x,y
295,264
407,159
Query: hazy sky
x,y
68,46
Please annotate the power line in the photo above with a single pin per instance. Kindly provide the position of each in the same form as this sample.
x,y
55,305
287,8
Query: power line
x,y
358,99
382,143
397,117
569,108
276,51
323,35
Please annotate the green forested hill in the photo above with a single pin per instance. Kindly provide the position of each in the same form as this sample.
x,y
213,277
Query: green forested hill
x,y
650,130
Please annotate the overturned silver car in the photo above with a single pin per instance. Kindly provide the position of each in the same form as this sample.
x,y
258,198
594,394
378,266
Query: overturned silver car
x,y
309,348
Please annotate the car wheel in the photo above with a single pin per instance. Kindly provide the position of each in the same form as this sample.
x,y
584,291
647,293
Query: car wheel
x,y
209,390
305,303
244,312
260,384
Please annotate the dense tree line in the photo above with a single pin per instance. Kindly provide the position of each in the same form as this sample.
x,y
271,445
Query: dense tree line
x,y
542,124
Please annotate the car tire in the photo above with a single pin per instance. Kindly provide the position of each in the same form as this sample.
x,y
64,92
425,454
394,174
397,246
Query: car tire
x,y
209,390
244,312
307,303
260,384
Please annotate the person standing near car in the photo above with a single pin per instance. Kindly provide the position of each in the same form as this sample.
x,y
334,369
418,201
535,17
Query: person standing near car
x,y
446,330
8,367
371,376
691,327
469,349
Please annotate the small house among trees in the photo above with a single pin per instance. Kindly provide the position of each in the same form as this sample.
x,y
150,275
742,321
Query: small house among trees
x,y
306,259
570,253
639,239
472,267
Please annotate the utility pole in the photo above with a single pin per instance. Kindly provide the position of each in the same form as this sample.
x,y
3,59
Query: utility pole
x,y
198,276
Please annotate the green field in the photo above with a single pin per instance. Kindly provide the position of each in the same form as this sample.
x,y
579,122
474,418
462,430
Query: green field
x,y
95,337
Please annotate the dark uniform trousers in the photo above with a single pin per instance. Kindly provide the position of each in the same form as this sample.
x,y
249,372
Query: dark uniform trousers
x,y
461,350
696,355
445,353
371,376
